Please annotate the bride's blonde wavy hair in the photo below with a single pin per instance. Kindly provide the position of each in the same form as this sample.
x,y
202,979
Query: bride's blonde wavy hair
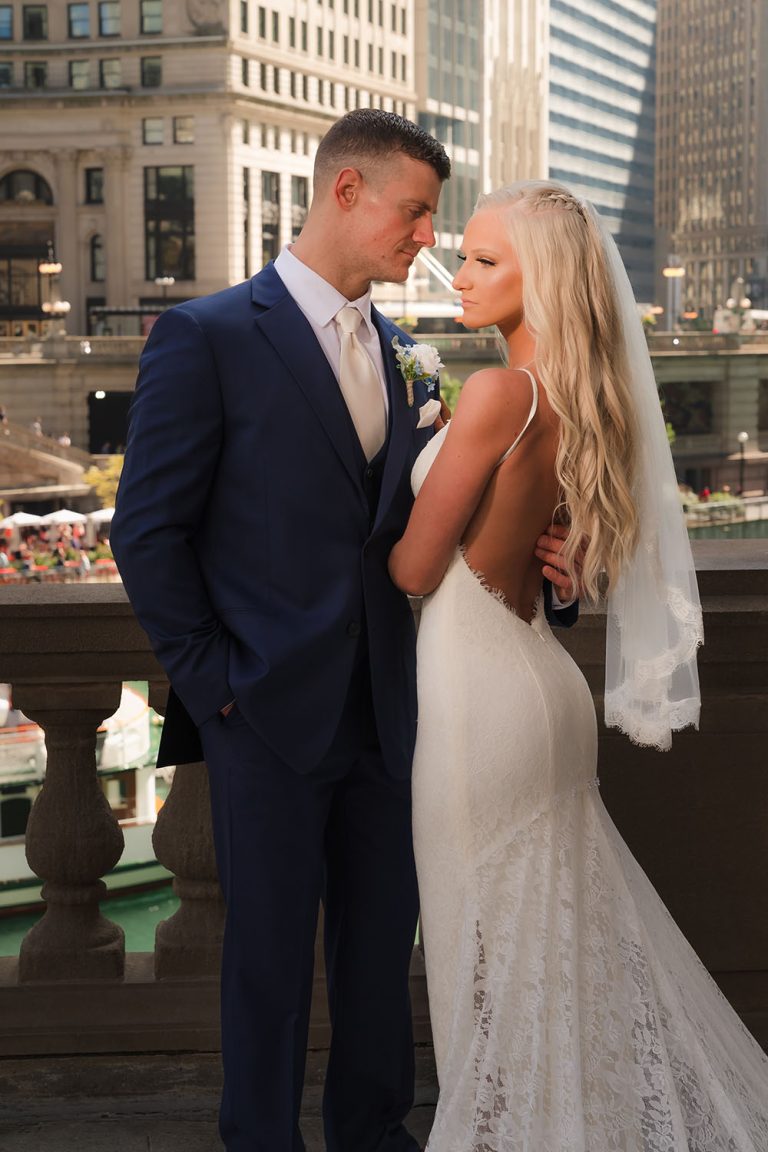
x,y
570,308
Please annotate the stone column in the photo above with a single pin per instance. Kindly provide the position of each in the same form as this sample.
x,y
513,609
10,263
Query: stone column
x,y
189,942
73,838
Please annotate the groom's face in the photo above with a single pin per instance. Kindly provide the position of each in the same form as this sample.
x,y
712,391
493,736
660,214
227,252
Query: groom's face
x,y
392,220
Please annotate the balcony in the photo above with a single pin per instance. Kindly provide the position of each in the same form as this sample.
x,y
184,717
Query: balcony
x,y
93,1038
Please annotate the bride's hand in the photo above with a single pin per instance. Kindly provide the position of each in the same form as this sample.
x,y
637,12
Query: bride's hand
x,y
548,548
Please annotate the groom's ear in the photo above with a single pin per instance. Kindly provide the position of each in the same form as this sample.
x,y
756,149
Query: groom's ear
x,y
348,187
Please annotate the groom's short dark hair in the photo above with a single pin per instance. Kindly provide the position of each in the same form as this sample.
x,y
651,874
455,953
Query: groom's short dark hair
x,y
373,135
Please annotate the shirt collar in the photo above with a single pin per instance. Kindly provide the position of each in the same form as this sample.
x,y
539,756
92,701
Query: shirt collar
x,y
317,299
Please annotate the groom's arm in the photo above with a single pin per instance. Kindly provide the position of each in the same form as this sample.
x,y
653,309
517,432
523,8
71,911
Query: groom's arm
x,y
173,448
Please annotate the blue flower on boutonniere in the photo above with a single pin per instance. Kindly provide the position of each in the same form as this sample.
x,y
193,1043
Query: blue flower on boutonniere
x,y
417,362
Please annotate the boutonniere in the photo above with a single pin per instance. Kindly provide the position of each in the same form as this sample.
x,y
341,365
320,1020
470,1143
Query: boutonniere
x,y
417,362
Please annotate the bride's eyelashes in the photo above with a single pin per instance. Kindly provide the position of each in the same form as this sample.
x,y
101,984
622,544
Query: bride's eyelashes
x,y
461,257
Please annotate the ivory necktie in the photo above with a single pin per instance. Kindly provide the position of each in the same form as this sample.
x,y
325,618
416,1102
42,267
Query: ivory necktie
x,y
360,384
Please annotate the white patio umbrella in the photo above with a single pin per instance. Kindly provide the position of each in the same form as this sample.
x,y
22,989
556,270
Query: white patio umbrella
x,y
101,515
63,516
20,520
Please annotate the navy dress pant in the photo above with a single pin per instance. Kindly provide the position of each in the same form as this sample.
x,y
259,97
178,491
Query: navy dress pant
x,y
284,841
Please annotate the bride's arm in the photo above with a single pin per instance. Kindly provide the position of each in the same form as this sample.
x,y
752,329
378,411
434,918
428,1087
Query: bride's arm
x,y
489,414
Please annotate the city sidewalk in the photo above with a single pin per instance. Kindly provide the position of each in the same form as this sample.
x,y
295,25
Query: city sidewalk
x,y
147,1103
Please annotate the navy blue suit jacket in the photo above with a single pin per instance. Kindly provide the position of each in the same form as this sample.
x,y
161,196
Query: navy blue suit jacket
x,y
243,533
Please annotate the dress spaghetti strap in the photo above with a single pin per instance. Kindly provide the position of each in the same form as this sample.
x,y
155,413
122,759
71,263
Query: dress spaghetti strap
x,y
531,414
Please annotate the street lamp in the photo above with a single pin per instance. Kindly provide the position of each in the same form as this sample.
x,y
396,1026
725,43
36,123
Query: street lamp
x,y
50,266
673,274
742,439
165,282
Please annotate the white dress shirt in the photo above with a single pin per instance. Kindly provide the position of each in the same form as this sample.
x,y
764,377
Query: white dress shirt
x,y
320,301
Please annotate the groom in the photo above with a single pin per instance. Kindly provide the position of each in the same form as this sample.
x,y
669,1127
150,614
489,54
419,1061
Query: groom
x,y
252,533
266,480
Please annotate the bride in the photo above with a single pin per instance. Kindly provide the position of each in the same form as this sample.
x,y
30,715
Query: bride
x,y
569,1013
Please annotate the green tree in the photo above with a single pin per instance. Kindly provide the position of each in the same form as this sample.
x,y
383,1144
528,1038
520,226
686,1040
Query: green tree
x,y
450,386
104,480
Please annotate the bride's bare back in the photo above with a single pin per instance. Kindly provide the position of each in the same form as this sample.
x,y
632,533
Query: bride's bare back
x,y
496,511
516,507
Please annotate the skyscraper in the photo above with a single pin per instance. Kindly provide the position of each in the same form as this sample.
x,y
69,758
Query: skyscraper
x,y
601,90
712,133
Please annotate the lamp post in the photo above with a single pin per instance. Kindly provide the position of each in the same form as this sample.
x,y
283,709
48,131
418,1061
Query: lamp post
x,y
742,439
673,273
165,282
49,268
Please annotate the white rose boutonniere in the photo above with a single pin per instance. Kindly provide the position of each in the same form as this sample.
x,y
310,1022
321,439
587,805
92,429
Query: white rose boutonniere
x,y
417,362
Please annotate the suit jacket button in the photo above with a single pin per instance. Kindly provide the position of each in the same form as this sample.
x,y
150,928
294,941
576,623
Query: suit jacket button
x,y
369,473
353,628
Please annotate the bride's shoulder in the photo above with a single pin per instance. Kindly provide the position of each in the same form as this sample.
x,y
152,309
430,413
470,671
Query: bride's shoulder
x,y
496,391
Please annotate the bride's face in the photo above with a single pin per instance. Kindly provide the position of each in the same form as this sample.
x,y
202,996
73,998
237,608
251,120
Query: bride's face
x,y
490,280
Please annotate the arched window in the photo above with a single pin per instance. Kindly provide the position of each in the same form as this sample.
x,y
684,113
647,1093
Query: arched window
x,y
25,187
98,260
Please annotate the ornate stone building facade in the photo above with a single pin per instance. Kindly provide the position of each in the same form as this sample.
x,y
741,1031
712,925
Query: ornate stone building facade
x,y
162,149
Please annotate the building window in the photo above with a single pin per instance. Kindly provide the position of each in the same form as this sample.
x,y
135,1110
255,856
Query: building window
x,y
6,75
109,18
35,74
299,203
152,130
319,41
78,21
151,17
270,216
245,72
263,76
275,27
263,23
151,71
246,222
25,187
292,84
246,132
98,260
276,79
169,222
244,16
331,44
94,185
110,73
6,22
79,74
305,87
291,31
184,129
34,21
304,36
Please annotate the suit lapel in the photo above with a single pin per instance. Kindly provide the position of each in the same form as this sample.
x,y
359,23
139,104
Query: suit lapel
x,y
286,328
401,417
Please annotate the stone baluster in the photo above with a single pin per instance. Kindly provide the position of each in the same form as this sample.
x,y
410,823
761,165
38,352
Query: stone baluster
x,y
189,942
73,838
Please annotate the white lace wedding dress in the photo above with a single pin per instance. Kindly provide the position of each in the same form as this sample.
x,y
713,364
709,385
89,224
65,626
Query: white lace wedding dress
x,y
569,1013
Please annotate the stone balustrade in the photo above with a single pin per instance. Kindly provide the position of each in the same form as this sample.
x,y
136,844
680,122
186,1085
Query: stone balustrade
x,y
696,817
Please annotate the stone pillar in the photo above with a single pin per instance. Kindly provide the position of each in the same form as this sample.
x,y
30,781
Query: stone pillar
x,y
119,275
189,942
67,240
73,838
